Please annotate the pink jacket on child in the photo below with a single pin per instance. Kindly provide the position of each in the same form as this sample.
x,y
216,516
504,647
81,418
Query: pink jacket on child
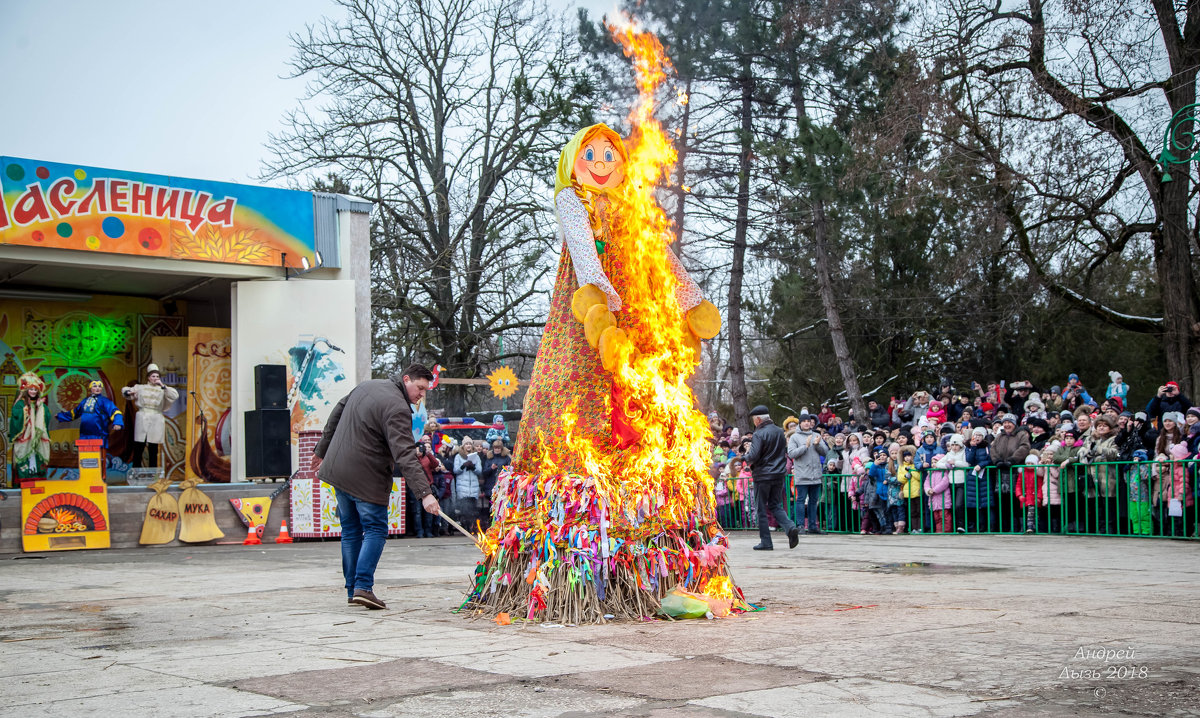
x,y
1049,495
1171,478
937,487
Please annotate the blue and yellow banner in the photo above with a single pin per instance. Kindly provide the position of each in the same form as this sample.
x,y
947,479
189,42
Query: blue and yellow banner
x,y
48,204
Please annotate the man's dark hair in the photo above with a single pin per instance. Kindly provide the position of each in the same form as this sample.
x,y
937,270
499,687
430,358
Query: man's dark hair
x,y
418,371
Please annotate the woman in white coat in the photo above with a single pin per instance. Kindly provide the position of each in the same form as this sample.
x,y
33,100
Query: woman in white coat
x,y
467,469
150,426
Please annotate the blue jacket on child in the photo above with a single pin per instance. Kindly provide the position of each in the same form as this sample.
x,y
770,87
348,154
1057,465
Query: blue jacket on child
x,y
978,487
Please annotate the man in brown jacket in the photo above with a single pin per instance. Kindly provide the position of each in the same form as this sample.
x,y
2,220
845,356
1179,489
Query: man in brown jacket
x,y
369,434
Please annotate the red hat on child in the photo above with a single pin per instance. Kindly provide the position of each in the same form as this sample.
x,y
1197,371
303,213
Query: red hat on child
x,y
1173,383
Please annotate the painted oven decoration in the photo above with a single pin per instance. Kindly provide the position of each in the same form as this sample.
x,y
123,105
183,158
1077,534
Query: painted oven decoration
x,y
66,515
49,204
313,508
69,345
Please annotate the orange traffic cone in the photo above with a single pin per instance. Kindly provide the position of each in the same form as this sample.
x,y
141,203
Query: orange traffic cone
x,y
284,536
252,537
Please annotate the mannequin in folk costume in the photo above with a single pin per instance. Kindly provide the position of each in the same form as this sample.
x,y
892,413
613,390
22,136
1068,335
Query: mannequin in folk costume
x,y
152,398
569,371
579,507
28,430
97,414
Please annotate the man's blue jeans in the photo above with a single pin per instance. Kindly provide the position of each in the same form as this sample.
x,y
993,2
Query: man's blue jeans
x,y
811,493
364,529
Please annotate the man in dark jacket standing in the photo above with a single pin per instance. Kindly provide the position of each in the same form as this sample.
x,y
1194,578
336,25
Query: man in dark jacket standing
x,y
768,465
368,434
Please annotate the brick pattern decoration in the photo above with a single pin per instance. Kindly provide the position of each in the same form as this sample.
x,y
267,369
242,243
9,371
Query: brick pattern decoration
x,y
72,502
313,504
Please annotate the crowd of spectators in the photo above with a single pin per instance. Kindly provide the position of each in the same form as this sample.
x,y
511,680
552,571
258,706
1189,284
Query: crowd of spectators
x,y
462,474
995,458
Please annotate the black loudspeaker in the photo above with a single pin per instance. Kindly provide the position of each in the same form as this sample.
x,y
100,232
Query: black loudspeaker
x,y
270,386
268,443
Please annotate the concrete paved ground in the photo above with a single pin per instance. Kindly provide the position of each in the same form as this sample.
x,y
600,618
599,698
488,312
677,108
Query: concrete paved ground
x,y
852,626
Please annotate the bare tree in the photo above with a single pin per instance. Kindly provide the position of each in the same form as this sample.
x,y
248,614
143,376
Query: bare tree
x,y
1065,106
450,114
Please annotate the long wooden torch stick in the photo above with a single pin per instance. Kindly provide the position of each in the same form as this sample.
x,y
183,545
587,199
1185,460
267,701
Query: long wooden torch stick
x,y
461,530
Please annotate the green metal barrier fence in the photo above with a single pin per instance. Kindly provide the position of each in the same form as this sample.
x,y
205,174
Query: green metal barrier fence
x,y
1118,498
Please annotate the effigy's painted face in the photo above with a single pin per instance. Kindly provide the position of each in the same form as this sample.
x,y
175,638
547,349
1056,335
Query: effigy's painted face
x,y
599,166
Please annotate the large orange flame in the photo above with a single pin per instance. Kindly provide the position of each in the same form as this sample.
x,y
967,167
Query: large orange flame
x,y
665,473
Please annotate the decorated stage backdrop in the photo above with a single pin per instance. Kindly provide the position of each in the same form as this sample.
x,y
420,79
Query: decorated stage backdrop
x,y
67,206
70,344
209,430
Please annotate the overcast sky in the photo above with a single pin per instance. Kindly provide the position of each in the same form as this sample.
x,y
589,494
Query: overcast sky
x,y
185,89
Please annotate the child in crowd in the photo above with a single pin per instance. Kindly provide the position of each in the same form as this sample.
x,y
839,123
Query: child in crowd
x,y
721,489
1034,408
936,413
913,508
1117,388
927,450
1191,430
1069,484
861,492
1050,500
895,490
739,488
720,452
878,472
954,462
1172,492
1028,488
1138,478
937,488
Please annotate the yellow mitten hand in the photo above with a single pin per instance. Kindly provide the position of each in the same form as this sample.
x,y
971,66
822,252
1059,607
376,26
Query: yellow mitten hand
x,y
598,319
612,340
585,298
704,320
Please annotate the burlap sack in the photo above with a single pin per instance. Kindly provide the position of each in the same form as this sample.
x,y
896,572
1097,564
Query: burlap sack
x,y
162,516
198,523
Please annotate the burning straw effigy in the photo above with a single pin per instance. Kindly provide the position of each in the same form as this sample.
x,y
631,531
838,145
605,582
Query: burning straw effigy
x,y
608,509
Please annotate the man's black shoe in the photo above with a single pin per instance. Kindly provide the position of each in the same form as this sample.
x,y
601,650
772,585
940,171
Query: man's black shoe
x,y
815,531
794,537
761,547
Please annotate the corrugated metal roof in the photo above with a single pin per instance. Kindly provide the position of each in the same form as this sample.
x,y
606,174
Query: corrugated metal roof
x,y
325,228
326,207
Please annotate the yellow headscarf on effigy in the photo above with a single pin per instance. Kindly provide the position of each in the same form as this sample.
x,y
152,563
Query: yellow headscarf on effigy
x,y
566,160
